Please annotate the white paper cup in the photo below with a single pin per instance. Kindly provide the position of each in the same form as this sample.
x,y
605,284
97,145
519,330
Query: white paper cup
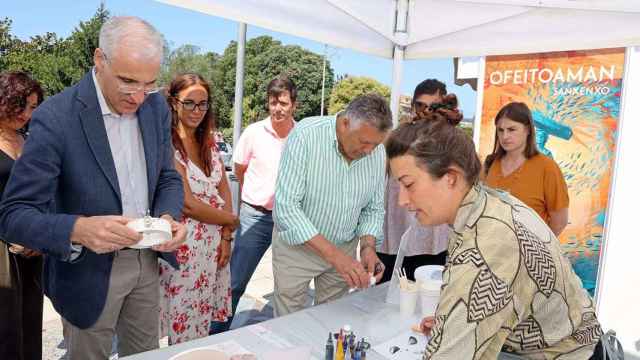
x,y
408,300
429,297
429,272
429,279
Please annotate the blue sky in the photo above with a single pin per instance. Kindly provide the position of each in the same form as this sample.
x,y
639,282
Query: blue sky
x,y
181,26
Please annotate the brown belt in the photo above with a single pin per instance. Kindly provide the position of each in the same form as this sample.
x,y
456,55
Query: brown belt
x,y
262,209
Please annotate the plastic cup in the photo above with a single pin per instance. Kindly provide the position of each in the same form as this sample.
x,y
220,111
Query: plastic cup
x,y
429,297
429,278
408,300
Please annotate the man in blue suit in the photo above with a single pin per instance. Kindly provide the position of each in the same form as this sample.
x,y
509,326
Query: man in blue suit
x,y
99,155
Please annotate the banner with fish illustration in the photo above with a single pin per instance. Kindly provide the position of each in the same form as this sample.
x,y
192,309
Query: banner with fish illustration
x,y
574,97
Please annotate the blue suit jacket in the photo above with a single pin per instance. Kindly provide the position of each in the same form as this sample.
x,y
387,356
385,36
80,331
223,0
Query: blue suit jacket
x,y
66,170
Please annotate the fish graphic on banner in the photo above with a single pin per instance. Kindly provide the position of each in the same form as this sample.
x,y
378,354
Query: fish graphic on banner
x,y
574,97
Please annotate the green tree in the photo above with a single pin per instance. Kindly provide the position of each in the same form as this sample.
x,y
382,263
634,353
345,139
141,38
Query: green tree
x,y
45,57
188,58
83,41
7,42
265,58
350,87
55,62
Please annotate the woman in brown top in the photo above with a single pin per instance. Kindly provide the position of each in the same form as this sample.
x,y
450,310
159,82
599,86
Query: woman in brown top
x,y
517,167
506,284
20,268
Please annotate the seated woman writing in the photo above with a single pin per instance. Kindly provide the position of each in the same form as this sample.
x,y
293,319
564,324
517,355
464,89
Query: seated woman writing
x,y
507,285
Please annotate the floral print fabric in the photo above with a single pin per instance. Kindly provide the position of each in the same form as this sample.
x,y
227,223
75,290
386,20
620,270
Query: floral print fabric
x,y
198,292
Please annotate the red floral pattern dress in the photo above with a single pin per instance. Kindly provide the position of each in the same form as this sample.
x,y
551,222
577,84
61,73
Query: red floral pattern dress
x,y
198,292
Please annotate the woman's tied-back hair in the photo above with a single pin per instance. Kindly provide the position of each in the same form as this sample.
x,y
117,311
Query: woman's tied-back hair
x,y
436,146
447,108
204,131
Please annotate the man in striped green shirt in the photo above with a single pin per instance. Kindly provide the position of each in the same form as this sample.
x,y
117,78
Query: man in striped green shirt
x,y
329,195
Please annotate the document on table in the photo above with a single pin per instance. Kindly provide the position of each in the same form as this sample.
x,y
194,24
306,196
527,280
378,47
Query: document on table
x,y
283,349
230,348
297,353
269,337
408,345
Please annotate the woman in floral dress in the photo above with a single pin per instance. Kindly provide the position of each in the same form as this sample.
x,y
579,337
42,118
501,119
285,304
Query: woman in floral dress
x,y
199,291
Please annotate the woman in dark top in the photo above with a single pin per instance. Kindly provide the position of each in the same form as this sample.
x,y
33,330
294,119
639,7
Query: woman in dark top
x,y
20,268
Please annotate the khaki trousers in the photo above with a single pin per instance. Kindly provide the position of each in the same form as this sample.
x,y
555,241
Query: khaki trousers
x,y
293,269
131,311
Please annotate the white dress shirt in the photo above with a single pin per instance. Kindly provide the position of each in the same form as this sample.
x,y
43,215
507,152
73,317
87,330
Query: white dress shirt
x,y
125,141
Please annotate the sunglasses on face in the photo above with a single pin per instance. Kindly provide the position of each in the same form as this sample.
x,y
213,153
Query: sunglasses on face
x,y
420,106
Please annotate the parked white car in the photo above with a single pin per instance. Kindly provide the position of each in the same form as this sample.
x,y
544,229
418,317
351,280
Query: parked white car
x,y
226,153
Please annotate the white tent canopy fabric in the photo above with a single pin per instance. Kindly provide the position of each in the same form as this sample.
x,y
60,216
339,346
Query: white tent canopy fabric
x,y
415,29
441,28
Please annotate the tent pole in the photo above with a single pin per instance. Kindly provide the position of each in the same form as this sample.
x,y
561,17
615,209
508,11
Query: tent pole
x,y
324,74
400,32
237,105
396,82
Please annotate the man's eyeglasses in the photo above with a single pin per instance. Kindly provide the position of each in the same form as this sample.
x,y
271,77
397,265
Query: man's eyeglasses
x,y
131,87
190,105
127,89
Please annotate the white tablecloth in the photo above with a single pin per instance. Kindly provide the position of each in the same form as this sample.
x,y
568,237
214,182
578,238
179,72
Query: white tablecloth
x,y
365,311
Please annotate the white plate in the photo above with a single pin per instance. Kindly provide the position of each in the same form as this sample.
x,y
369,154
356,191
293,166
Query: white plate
x,y
155,231
201,354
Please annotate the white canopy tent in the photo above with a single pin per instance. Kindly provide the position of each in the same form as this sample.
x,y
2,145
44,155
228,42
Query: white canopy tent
x,y
415,29
440,28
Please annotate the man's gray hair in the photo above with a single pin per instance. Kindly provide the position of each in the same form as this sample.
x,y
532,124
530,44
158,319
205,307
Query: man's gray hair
x,y
140,38
371,109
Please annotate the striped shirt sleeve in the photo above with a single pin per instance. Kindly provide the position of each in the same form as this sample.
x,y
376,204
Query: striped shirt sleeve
x,y
371,218
291,222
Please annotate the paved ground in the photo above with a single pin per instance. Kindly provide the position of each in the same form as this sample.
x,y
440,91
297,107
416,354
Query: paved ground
x,y
253,307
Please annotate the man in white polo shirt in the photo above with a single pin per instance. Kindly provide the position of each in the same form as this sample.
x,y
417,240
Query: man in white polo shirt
x,y
256,159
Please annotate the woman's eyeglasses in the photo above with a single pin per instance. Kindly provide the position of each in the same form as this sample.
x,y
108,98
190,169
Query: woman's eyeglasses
x,y
190,105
